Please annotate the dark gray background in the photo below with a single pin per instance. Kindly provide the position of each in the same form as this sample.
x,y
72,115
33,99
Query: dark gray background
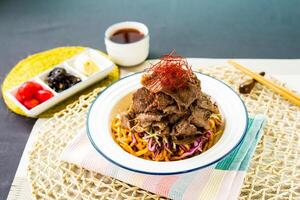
x,y
194,28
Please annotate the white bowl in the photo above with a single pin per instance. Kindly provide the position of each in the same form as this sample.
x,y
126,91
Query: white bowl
x,y
127,54
101,111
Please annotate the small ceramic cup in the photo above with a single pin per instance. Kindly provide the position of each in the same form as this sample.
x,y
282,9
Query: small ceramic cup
x,y
127,54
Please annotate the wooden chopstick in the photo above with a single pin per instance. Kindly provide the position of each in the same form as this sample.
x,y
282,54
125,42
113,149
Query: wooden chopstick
x,y
276,88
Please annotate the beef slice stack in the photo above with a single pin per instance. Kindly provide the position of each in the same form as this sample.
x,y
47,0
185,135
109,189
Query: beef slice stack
x,y
176,112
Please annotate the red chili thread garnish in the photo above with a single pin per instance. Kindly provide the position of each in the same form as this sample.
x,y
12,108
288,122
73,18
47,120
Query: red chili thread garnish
x,y
170,73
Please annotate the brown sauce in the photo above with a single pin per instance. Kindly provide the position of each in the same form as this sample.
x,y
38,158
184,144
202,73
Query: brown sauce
x,y
127,35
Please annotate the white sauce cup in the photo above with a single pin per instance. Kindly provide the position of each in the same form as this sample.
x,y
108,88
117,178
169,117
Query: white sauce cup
x,y
127,54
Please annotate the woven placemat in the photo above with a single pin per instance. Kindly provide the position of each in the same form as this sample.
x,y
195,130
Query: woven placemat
x,y
273,173
36,64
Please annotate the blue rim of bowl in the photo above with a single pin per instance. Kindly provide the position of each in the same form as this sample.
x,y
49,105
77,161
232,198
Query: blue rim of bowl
x,y
165,173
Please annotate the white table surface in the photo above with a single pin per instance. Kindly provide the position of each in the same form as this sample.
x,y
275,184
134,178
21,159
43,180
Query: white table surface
x,y
285,70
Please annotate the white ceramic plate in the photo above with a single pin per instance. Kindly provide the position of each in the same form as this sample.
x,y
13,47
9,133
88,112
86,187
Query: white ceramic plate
x,y
115,98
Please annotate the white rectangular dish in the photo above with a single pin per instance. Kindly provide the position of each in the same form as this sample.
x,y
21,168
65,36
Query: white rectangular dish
x,y
73,67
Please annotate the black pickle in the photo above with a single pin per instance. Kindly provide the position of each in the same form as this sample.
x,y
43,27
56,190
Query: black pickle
x,y
59,79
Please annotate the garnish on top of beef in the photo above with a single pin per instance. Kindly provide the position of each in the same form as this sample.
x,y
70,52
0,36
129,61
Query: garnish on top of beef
x,y
171,102
170,73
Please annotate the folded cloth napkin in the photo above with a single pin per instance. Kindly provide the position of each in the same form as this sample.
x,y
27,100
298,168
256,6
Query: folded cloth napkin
x,y
219,181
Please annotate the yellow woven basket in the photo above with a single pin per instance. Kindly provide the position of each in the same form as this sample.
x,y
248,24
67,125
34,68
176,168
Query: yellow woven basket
x,y
37,63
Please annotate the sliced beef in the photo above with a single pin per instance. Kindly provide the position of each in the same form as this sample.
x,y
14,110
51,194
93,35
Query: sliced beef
x,y
181,112
141,99
195,81
173,118
200,117
159,126
173,109
166,131
205,102
146,119
162,100
125,120
185,97
184,127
